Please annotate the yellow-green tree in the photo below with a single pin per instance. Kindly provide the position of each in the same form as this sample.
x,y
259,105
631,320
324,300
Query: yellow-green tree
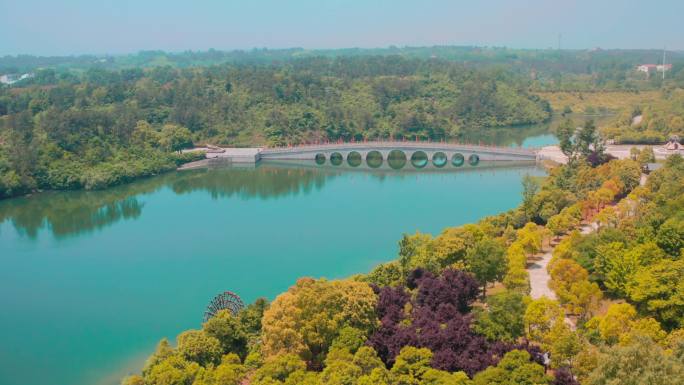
x,y
540,316
307,318
174,370
658,289
410,365
570,282
277,370
530,238
614,323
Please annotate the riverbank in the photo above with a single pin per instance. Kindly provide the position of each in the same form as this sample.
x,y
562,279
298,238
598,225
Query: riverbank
x,y
115,258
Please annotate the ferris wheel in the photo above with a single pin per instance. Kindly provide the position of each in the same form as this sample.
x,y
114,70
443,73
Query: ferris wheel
x,y
226,300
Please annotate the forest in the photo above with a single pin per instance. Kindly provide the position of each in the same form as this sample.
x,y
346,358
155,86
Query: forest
x,y
104,127
456,308
550,69
89,122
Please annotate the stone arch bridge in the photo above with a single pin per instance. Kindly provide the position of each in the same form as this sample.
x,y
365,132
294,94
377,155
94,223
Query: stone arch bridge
x,y
417,153
375,154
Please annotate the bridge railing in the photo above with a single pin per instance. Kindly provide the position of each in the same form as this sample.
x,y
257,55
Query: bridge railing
x,y
398,144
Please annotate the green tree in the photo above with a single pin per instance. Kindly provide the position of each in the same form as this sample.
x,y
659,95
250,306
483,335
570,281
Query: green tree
x,y
440,377
175,138
646,155
502,319
615,266
487,261
565,133
641,363
670,236
250,317
229,372
198,346
588,139
515,368
228,330
367,359
530,189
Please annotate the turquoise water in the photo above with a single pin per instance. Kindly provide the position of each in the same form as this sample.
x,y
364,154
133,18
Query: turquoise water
x,y
90,281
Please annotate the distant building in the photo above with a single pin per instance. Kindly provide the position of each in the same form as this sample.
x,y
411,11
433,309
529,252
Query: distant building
x,y
13,78
650,68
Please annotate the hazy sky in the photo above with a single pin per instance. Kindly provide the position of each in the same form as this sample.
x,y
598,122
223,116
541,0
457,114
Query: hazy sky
x,y
51,27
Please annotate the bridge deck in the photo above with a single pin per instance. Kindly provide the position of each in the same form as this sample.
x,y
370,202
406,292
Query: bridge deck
x,y
429,146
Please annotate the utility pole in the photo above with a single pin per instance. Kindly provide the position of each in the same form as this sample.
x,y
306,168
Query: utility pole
x,y
663,62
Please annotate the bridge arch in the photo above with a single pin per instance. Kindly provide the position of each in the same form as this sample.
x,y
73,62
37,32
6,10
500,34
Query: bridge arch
x,y
439,159
336,159
396,159
374,159
457,159
320,159
354,159
419,159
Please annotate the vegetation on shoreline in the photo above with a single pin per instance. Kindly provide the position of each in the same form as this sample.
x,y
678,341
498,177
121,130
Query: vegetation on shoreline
x,y
651,122
102,127
91,122
426,318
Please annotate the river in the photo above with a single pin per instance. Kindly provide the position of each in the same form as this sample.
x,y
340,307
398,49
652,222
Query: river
x,y
91,281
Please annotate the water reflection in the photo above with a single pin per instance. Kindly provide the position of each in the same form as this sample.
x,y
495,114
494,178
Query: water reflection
x,y
534,135
75,212
70,213
264,181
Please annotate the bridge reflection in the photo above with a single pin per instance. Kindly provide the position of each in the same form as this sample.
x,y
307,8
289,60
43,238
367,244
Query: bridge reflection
x,y
396,159
74,212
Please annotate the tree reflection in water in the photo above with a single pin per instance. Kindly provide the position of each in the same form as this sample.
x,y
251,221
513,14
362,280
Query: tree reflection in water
x,y
76,212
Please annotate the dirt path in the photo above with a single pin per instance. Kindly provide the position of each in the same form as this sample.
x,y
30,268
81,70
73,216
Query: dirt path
x,y
539,277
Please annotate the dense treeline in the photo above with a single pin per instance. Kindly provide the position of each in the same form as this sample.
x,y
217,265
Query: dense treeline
x,y
106,127
551,69
429,318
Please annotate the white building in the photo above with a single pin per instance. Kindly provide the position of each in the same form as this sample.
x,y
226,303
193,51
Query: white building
x,y
649,68
13,78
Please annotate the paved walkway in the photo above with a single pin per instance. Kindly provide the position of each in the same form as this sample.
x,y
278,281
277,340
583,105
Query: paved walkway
x,y
539,277
620,151
539,274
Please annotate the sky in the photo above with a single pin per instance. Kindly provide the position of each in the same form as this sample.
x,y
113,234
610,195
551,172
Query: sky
x,y
67,27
